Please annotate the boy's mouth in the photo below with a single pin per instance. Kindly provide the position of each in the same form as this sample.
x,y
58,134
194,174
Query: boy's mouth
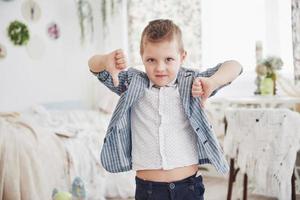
x,y
160,75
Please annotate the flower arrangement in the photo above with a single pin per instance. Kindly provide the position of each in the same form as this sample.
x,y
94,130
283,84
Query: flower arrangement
x,y
266,75
269,66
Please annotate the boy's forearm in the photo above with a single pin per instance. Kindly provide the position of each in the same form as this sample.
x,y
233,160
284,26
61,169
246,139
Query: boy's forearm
x,y
97,63
227,72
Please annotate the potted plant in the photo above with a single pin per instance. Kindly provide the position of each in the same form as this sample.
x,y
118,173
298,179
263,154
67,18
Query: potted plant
x,y
266,71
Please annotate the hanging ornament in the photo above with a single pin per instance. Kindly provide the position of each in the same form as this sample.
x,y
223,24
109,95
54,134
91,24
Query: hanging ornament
x,y
109,9
53,31
2,51
31,11
35,47
18,33
85,15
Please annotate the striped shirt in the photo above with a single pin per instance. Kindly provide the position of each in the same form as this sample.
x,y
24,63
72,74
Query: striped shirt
x,y
117,146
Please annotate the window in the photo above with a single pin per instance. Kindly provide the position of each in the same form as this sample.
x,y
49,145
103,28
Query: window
x,y
232,27
230,30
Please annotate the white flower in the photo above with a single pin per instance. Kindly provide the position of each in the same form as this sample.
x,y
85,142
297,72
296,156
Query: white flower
x,y
273,63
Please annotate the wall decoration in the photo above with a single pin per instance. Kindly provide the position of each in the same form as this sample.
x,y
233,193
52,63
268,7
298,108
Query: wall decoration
x,y
31,11
35,47
85,16
186,14
108,9
2,51
18,33
53,31
104,11
296,38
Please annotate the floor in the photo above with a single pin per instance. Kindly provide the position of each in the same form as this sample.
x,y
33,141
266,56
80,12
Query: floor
x,y
214,184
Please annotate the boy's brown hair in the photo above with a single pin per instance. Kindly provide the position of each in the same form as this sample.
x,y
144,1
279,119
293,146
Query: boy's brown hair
x,y
161,30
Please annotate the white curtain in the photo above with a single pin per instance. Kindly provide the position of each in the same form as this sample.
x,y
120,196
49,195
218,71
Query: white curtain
x,y
296,38
186,14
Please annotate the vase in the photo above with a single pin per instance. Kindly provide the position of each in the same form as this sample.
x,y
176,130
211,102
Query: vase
x,y
274,77
267,86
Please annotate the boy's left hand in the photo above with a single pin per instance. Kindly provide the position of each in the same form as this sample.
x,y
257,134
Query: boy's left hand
x,y
202,87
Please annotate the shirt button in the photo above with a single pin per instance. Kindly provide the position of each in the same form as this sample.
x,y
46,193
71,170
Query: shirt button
x,y
172,186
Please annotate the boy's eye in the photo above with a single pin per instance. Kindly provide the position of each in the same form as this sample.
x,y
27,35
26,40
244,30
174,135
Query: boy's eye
x,y
150,60
170,59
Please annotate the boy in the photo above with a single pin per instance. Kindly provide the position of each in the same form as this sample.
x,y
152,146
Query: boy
x,y
158,128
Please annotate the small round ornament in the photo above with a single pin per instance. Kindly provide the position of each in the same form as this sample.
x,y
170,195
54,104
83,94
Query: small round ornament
x,y
31,11
18,33
2,51
53,31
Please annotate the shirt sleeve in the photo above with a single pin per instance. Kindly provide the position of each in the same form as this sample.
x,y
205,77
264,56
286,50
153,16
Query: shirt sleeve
x,y
106,79
211,71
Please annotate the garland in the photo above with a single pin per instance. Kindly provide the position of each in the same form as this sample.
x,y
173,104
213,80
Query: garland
x,y
18,33
109,9
85,15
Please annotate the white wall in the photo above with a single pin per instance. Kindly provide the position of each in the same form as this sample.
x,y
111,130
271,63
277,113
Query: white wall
x,y
62,73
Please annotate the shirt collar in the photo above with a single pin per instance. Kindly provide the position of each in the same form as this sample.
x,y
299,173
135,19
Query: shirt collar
x,y
173,83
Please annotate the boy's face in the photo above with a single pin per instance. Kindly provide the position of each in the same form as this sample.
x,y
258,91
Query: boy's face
x,y
162,61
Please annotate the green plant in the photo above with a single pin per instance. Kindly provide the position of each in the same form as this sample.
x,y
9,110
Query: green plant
x,y
109,8
86,19
18,33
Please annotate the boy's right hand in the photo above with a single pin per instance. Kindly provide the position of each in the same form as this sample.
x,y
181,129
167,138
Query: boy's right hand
x,y
202,87
115,63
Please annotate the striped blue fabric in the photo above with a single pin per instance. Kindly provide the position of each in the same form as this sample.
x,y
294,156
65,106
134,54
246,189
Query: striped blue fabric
x,y
116,149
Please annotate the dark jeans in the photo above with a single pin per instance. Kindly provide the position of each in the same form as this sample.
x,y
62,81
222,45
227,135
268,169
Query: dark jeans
x,y
190,188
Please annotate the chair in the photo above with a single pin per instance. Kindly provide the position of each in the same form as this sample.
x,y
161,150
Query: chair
x,y
263,144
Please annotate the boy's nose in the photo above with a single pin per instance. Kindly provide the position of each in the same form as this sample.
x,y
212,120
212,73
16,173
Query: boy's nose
x,y
160,67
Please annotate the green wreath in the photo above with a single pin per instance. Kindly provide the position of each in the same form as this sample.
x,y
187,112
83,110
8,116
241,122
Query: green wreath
x,y
18,33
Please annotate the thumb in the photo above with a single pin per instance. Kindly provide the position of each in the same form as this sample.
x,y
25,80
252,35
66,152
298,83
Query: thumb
x,y
115,78
202,101
197,81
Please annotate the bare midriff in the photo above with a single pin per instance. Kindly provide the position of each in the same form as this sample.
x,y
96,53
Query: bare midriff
x,y
160,175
